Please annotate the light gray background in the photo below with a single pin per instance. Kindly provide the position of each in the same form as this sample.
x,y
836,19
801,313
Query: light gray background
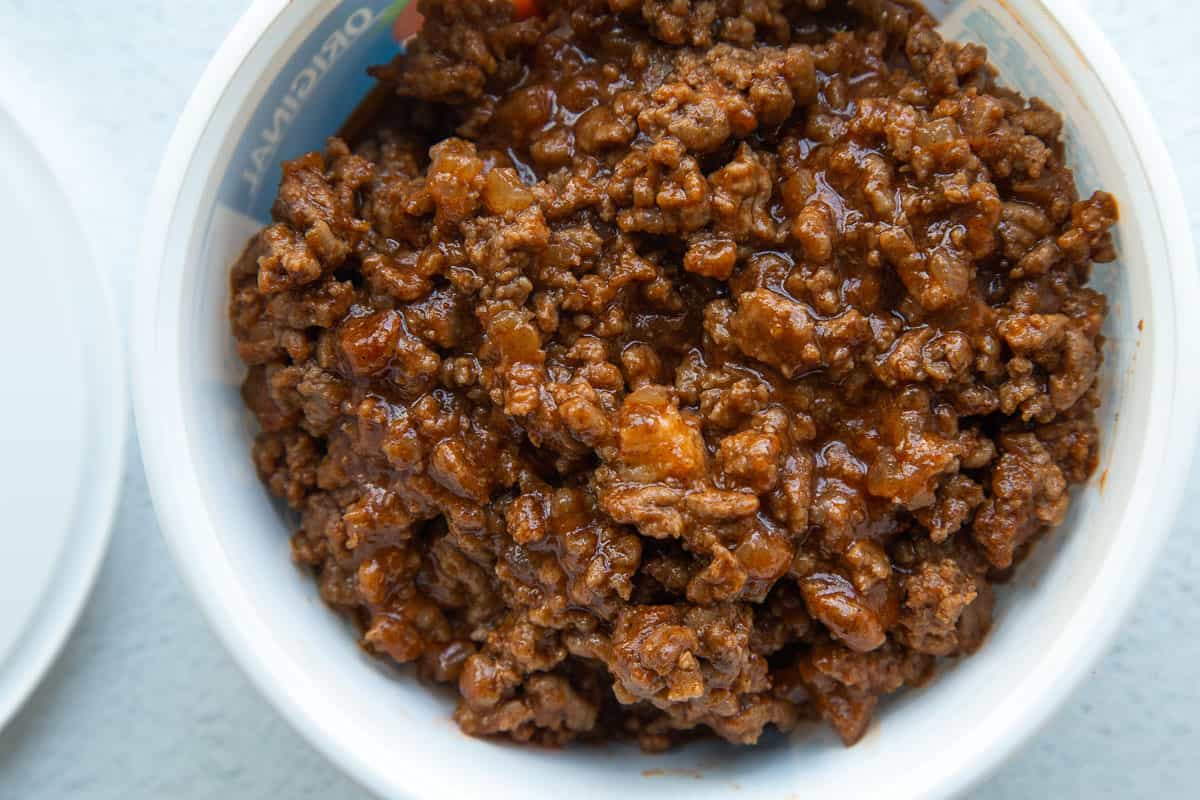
x,y
145,703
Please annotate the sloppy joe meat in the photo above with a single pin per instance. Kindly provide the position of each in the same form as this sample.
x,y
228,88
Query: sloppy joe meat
x,y
660,369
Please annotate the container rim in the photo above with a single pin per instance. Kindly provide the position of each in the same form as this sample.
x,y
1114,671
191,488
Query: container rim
x,y
199,559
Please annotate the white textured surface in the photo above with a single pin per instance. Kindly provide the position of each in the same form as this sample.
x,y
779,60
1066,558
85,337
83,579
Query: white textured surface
x,y
145,703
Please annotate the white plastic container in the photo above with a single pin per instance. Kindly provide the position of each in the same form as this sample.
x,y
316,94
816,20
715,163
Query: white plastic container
x,y
285,78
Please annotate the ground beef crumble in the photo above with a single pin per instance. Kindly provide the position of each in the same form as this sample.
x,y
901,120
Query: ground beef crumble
x,y
657,369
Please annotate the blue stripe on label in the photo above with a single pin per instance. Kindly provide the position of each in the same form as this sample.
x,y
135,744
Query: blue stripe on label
x,y
314,93
1021,71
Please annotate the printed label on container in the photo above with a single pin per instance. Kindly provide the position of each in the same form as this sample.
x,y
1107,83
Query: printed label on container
x,y
315,90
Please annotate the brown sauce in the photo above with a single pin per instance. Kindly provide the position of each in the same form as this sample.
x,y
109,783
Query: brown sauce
x,y
657,369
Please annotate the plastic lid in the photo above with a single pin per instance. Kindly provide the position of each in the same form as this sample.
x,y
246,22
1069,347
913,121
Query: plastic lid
x,y
62,409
